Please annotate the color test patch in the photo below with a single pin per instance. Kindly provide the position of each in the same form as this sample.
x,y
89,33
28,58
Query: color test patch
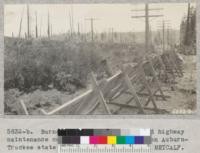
x,y
93,139
130,140
85,140
121,140
111,140
102,139
139,140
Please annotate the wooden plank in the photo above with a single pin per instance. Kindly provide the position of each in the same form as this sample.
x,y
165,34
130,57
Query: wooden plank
x,y
156,79
164,68
86,104
87,96
93,108
147,87
24,107
173,60
147,108
146,94
99,93
78,99
121,106
108,69
115,93
169,66
110,83
132,89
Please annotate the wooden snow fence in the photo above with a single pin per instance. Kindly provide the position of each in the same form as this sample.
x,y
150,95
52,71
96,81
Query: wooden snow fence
x,y
136,85
172,64
131,81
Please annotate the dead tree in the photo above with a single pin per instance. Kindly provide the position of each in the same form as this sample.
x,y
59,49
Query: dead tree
x,y
48,26
20,25
36,26
28,22
187,26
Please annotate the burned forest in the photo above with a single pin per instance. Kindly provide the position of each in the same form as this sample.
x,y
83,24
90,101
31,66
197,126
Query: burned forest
x,y
75,59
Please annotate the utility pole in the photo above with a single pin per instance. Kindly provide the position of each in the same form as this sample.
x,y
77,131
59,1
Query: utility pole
x,y
92,27
28,21
147,16
165,34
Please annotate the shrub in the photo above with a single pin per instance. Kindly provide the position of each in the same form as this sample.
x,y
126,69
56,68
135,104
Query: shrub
x,y
32,64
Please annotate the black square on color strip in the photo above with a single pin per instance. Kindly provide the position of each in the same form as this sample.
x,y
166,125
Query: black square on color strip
x,y
73,132
61,132
87,132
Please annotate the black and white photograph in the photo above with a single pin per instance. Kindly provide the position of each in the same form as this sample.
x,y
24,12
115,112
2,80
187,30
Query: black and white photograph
x,y
100,59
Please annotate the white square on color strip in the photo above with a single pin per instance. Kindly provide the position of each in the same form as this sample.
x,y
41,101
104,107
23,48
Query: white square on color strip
x,y
85,140
145,132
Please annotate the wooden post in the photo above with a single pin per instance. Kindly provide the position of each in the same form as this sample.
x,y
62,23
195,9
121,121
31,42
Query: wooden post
x,y
156,79
107,68
99,93
163,66
176,68
24,107
132,89
143,78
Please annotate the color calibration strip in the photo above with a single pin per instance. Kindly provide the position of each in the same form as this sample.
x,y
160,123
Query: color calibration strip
x,y
103,136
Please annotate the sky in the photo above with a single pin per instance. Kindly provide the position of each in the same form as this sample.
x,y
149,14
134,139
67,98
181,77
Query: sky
x,y
116,16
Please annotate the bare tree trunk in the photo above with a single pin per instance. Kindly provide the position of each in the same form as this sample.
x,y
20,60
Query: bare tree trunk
x,y
48,26
20,26
187,26
36,26
28,21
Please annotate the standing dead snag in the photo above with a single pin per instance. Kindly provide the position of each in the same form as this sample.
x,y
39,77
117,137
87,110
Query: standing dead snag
x,y
20,25
48,26
28,22
36,26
